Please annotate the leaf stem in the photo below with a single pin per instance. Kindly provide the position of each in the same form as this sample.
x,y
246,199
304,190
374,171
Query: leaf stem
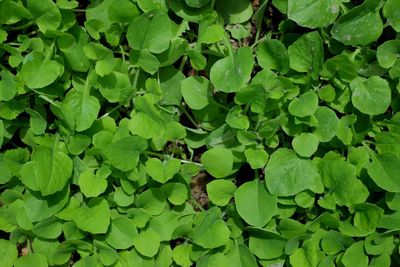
x,y
183,63
164,156
257,41
3,67
246,108
110,112
155,154
197,204
122,53
50,51
189,117
49,101
212,4
343,7
13,44
192,162
136,78
219,104
21,27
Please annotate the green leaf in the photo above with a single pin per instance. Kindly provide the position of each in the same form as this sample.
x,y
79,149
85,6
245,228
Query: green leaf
x,y
8,252
383,171
146,60
197,60
218,162
391,11
209,34
81,108
176,193
220,192
287,175
360,26
231,73
237,11
196,92
305,144
212,231
39,71
91,185
181,255
147,242
50,228
147,115
254,203
306,54
121,233
387,53
122,11
197,3
162,171
152,200
240,256
45,13
371,96
334,242
236,119
37,121
153,31
257,158
313,13
39,208
367,216
153,127
272,54
305,105
355,255
31,259
340,177
302,257
327,125
73,48
124,153
2,136
345,65
376,244
93,216
265,244
8,87
52,168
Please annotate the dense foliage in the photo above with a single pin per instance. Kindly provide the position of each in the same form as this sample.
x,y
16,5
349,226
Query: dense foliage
x,y
200,133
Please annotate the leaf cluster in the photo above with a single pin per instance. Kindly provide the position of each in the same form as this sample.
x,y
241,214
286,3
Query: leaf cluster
x,y
199,133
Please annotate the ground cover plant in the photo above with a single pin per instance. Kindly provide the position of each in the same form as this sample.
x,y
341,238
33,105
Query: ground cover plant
x,y
200,133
